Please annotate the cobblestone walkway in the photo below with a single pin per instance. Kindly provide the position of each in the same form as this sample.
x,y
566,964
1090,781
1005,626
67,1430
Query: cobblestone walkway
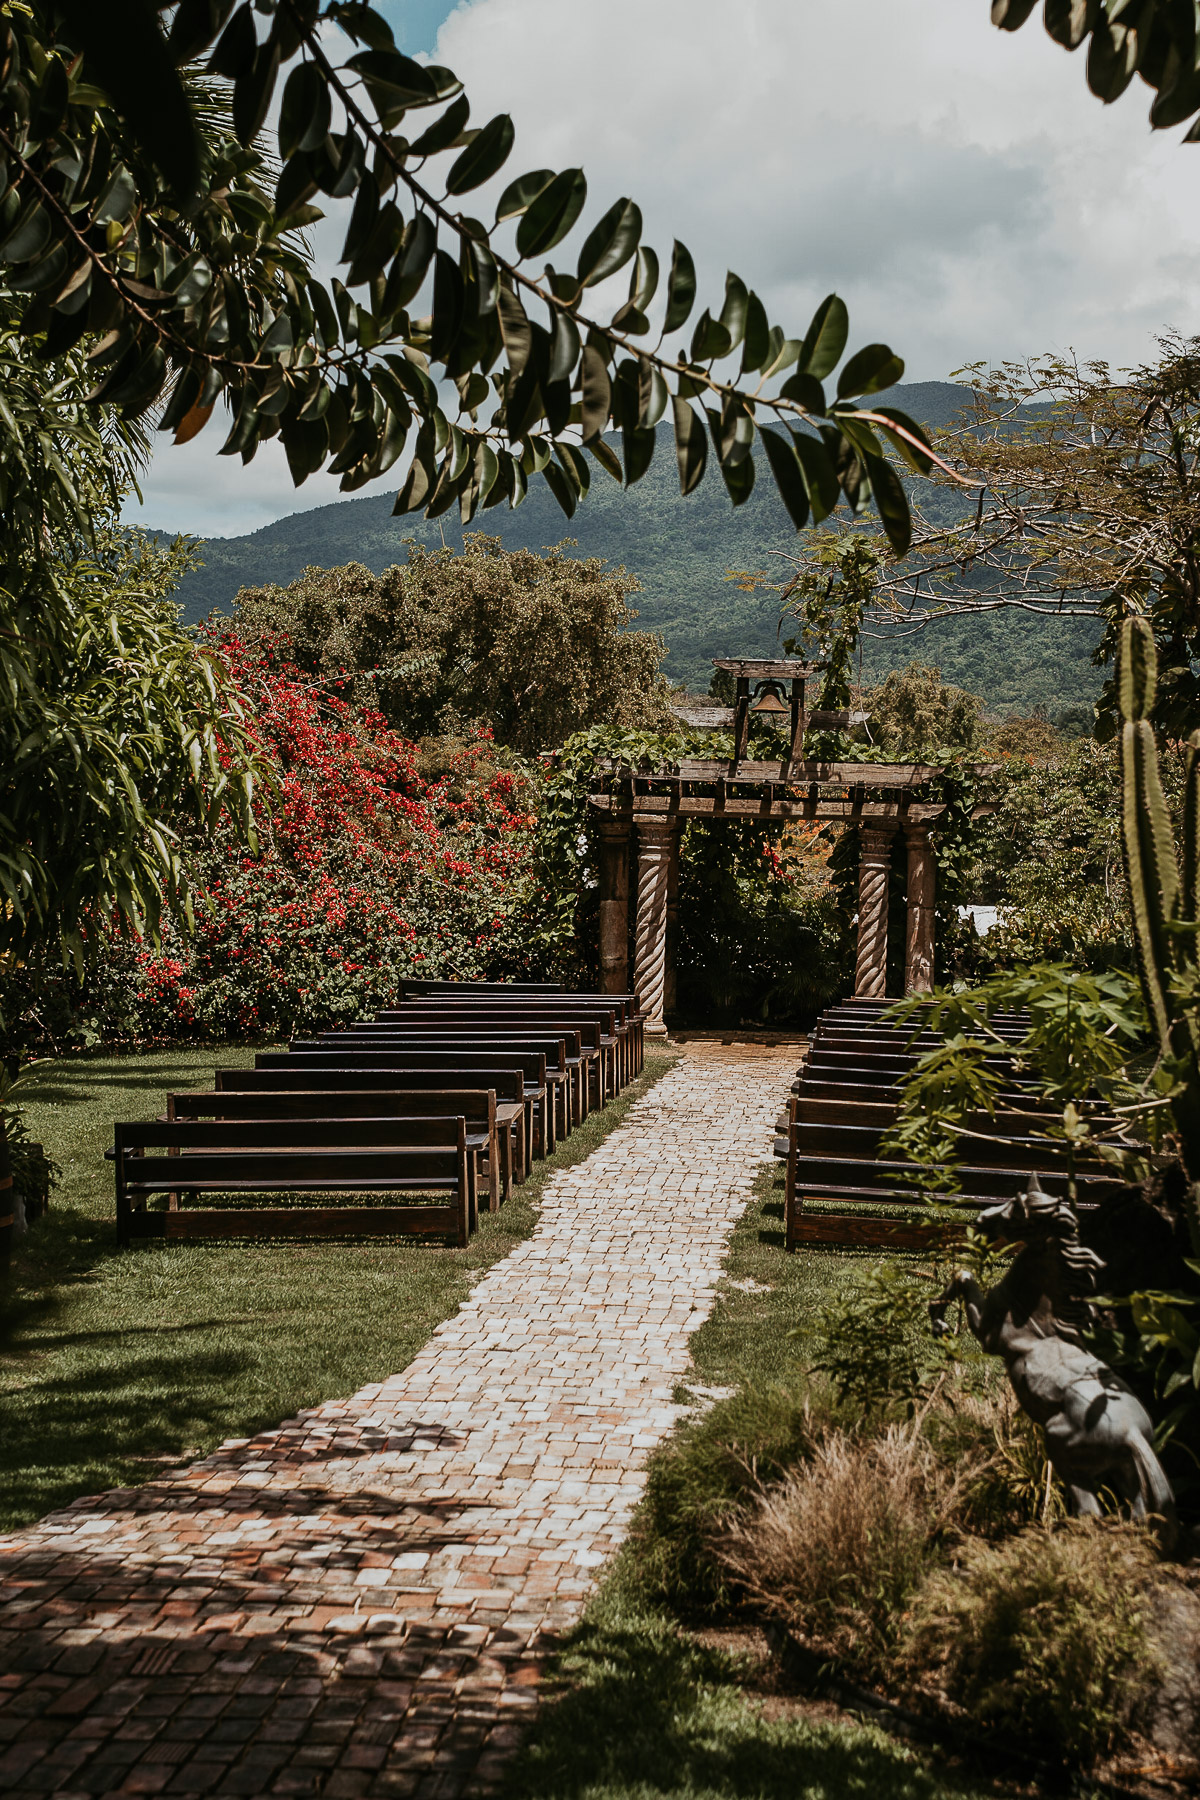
x,y
357,1603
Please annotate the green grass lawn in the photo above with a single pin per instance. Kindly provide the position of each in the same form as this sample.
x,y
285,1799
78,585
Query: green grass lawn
x,y
643,1707
115,1365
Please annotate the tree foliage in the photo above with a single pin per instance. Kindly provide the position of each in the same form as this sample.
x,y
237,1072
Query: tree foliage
x,y
177,252
1159,40
1088,506
530,648
112,721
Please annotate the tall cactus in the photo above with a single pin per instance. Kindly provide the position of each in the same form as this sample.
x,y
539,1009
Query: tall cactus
x,y
1163,896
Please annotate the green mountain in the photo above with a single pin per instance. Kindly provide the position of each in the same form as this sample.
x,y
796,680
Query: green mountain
x,y
681,551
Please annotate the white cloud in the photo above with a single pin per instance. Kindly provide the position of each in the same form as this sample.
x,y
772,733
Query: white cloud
x,y
958,185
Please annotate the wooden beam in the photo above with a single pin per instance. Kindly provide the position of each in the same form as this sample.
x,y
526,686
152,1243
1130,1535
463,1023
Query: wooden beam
x,y
721,806
755,669
838,774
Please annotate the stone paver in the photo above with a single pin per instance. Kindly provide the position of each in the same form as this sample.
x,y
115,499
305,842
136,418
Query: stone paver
x,y
358,1602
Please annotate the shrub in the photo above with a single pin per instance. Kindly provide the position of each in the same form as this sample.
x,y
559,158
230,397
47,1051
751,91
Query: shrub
x,y
376,860
1044,1635
700,1477
838,1547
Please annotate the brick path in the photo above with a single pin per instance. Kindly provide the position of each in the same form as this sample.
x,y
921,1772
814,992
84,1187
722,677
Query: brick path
x,y
357,1602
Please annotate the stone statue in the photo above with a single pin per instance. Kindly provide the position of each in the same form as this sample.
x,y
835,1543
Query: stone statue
x,y
1098,1433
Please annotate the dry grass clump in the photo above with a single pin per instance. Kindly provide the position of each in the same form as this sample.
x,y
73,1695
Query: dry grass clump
x,y
1045,1634
840,1544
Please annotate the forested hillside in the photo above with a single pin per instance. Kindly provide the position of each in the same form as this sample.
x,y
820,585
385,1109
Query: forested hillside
x,y
680,550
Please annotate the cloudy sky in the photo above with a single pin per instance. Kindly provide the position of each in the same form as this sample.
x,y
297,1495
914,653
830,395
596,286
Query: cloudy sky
x,y
957,185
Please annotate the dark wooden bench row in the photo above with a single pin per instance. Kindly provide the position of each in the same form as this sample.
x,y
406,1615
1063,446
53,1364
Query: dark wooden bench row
x,y
839,1189
445,1102
363,1157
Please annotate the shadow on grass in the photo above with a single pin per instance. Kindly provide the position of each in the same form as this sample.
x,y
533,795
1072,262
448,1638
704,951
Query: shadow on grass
x,y
649,1712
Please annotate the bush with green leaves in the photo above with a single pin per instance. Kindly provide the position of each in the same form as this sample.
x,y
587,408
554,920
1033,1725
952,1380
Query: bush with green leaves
x,y
1044,1636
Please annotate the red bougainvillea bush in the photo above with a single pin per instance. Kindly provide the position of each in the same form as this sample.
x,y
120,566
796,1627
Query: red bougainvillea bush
x,y
377,858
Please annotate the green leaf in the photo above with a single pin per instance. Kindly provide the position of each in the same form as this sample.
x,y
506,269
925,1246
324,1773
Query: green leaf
x,y
733,313
28,237
652,393
515,330
596,394
304,114
610,243
1010,15
781,352
825,338
1112,60
397,75
125,52
789,477
253,92
892,502
552,213
562,489
416,254
643,279
691,446
448,300
820,477
445,132
483,157
710,339
873,367
912,456
520,194
607,457
681,288
756,345
739,479
806,391
575,466
638,442
564,346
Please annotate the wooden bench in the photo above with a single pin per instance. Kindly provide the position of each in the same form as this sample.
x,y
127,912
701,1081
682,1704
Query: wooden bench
x,y
564,1063
458,1068
505,1085
628,1005
616,1031
290,1156
476,1108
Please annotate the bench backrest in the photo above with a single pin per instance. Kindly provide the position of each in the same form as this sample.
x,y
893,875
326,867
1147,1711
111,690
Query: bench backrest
x,y
553,1051
294,1134
505,1084
566,1011
586,1033
476,1105
530,1063
556,1047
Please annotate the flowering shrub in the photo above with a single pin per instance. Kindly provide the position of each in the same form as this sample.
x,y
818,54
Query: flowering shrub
x,y
377,860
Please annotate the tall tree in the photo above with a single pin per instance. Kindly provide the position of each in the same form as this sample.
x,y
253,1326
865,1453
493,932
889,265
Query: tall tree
x,y
532,647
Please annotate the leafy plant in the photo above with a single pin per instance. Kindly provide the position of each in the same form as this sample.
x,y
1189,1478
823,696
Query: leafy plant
x,y
1044,1635
180,252
874,1343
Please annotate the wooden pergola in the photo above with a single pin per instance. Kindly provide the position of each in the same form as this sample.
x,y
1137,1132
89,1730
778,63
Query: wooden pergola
x,y
641,814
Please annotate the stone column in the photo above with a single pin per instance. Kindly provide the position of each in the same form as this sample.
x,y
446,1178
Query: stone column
x,y
922,884
874,868
669,983
614,907
654,836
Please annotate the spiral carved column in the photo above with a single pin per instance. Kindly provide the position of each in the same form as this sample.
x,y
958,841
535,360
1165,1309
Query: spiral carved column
x,y
654,836
922,885
614,908
874,870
